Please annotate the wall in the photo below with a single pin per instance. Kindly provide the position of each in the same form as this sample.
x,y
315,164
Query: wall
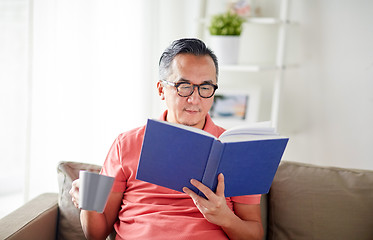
x,y
327,107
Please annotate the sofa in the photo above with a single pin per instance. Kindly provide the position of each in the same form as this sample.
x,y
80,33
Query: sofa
x,y
305,202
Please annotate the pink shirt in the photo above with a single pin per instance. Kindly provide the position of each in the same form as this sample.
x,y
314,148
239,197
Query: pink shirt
x,y
149,211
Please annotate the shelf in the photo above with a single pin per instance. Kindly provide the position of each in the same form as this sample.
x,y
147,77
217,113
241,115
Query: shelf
x,y
249,68
264,20
255,20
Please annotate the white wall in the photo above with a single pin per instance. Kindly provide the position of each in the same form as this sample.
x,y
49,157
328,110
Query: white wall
x,y
327,107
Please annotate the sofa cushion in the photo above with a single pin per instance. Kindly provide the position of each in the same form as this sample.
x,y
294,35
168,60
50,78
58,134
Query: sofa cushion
x,y
311,202
69,227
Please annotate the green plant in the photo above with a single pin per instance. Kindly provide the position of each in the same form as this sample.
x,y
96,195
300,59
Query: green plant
x,y
228,23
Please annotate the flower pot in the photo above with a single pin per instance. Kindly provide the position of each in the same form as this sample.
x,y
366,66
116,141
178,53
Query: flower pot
x,y
226,48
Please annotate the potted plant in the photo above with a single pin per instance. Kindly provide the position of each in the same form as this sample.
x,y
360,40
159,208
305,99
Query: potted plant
x,y
225,30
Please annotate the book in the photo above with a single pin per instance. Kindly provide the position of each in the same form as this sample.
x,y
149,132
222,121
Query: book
x,y
249,156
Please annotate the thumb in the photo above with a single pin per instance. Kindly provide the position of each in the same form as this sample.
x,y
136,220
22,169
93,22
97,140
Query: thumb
x,y
221,186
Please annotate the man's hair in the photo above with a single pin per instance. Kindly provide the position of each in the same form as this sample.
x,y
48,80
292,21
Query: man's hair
x,y
186,45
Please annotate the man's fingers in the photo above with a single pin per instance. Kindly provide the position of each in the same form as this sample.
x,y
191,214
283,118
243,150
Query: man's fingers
x,y
221,185
199,201
74,192
76,183
205,190
189,192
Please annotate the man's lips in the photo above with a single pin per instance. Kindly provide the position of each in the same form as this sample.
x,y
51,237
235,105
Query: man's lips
x,y
192,111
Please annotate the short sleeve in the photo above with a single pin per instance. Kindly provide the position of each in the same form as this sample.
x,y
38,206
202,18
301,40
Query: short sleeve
x,y
248,199
113,167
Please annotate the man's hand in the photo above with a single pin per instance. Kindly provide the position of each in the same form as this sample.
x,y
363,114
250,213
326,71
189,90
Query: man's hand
x,y
244,223
74,192
214,208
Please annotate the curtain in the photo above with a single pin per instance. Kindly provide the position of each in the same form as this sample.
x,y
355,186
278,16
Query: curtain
x,y
74,75
91,81
14,73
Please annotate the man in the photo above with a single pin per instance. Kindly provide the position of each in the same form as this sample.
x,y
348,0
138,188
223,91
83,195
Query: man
x,y
139,210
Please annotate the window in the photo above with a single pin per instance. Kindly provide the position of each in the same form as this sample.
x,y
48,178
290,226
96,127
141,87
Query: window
x,y
74,74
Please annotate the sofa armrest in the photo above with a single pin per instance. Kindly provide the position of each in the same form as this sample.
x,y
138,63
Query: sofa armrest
x,y
37,219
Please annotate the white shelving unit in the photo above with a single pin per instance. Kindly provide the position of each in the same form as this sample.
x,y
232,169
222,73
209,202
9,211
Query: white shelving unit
x,y
248,68
281,23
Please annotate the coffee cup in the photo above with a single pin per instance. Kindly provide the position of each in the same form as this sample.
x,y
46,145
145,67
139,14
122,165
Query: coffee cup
x,y
94,190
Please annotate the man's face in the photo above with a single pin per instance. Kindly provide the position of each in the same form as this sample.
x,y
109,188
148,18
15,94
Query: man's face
x,y
190,110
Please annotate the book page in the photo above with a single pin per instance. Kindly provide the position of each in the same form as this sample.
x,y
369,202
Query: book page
x,y
248,137
254,131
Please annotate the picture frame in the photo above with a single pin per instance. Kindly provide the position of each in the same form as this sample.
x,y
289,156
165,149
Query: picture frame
x,y
231,108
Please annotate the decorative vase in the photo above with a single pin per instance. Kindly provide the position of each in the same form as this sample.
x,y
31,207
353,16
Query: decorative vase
x,y
226,48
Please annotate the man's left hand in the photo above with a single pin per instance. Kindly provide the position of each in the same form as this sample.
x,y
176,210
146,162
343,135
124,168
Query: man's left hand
x,y
214,207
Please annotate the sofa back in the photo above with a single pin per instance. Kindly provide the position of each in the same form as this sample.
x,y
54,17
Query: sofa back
x,y
314,202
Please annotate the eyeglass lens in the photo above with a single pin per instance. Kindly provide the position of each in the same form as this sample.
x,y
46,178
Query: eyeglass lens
x,y
204,90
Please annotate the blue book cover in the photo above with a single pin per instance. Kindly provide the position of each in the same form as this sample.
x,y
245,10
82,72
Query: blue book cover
x,y
172,154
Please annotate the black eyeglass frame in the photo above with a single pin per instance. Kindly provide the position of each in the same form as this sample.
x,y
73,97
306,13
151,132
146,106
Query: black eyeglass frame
x,y
176,85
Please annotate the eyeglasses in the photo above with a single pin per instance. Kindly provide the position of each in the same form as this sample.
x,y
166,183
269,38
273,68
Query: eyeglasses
x,y
185,89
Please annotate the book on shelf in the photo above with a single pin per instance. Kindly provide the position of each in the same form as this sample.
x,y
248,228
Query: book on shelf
x,y
248,156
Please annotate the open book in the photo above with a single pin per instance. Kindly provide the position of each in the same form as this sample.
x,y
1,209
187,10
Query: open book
x,y
172,154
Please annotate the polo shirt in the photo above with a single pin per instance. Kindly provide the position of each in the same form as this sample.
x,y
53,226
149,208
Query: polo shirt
x,y
150,211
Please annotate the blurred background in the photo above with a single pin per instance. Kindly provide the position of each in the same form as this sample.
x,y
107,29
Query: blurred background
x,y
75,74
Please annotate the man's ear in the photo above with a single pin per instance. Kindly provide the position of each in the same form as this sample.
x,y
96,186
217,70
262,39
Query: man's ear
x,y
160,90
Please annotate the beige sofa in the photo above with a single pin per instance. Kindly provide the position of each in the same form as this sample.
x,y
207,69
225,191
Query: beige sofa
x,y
305,202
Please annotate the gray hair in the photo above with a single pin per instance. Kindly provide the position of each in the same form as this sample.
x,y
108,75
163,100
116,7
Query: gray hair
x,y
186,45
